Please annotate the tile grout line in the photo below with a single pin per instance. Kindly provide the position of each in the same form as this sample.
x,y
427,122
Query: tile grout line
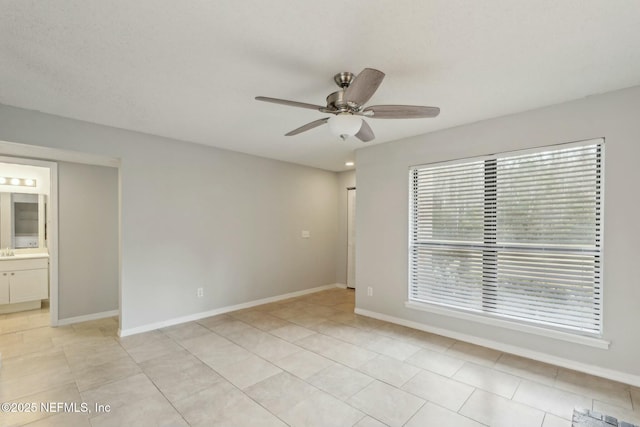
x,y
305,381
225,378
516,389
416,412
466,400
165,397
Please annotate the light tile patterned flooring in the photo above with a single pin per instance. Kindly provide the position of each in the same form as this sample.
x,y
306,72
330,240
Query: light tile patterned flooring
x,y
307,361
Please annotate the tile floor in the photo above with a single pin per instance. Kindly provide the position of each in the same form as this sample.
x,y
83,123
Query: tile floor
x,y
307,361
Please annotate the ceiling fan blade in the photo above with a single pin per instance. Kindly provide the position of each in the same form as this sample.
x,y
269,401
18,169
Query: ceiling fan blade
x,y
363,86
308,126
400,112
289,103
365,134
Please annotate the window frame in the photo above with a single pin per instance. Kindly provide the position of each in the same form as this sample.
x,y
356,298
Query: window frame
x,y
487,317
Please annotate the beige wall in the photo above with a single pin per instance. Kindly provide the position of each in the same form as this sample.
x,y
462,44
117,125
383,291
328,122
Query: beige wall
x,y
87,239
382,217
196,216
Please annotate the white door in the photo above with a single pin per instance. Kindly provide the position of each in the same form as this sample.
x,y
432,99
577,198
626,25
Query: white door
x,y
351,238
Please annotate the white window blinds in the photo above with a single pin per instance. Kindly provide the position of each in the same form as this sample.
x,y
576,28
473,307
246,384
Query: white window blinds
x,y
517,236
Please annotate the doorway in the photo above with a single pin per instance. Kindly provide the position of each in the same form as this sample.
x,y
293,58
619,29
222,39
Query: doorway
x,y
79,173
351,237
28,237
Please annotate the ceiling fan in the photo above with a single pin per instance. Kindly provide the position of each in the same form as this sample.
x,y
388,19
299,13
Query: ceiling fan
x,y
347,106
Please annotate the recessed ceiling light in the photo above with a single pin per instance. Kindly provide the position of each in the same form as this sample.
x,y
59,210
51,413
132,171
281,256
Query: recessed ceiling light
x,y
349,164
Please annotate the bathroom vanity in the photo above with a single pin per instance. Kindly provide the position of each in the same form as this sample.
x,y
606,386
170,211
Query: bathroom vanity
x,y
24,258
24,282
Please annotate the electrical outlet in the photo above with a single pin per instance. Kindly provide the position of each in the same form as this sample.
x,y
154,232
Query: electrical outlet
x,y
369,291
200,293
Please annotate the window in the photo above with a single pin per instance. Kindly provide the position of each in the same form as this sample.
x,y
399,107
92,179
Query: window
x,y
515,236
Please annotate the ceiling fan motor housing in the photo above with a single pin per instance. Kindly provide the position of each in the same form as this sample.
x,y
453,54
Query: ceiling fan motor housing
x,y
336,100
337,104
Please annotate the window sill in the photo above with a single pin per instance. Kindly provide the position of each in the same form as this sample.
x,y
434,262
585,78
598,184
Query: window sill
x,y
535,330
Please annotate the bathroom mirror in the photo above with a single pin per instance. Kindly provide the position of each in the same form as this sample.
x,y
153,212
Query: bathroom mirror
x,y
22,221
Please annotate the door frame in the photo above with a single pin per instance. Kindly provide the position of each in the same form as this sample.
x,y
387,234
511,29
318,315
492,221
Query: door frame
x,y
35,155
350,220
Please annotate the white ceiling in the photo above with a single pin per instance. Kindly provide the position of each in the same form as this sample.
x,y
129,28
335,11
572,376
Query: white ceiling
x,y
190,69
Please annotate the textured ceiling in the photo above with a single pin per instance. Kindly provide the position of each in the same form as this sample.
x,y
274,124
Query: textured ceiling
x,y
190,69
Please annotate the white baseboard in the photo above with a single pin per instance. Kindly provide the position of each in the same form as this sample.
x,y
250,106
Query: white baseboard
x,y
341,285
221,310
87,317
610,374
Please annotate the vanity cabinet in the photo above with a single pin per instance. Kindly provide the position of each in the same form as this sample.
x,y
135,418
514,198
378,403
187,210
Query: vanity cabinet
x,y
4,290
23,280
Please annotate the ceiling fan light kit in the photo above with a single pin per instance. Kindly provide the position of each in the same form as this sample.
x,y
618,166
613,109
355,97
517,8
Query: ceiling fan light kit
x,y
344,125
347,107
